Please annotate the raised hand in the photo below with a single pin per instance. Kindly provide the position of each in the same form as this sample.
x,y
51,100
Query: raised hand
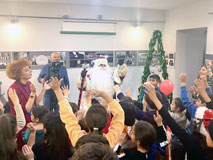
x,y
55,83
192,89
88,97
46,85
13,96
150,91
95,93
116,88
201,86
204,79
122,139
128,93
158,119
43,80
32,88
31,127
66,90
27,152
183,77
105,96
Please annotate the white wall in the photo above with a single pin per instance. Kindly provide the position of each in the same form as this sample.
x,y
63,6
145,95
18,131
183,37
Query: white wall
x,y
187,17
44,34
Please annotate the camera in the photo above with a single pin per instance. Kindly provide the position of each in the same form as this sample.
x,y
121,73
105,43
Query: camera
x,y
55,68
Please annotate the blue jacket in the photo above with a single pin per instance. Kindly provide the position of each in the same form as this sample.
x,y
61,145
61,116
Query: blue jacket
x,y
62,74
192,108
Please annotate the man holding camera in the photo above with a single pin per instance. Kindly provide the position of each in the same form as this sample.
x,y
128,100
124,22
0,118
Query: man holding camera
x,y
53,69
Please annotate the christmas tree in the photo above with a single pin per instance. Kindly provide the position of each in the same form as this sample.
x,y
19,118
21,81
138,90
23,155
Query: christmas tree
x,y
155,60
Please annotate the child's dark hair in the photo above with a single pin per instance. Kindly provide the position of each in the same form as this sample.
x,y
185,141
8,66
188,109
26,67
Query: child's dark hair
x,y
8,149
96,118
56,136
94,151
129,111
39,112
155,76
179,104
74,107
138,104
146,134
83,125
150,102
91,138
94,101
201,99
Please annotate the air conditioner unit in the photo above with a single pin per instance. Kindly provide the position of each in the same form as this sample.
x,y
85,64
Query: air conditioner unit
x,y
92,28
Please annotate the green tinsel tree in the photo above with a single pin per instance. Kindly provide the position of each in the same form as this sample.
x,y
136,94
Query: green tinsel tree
x,y
155,46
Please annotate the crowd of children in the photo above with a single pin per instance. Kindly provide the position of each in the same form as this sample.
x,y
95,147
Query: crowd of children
x,y
108,129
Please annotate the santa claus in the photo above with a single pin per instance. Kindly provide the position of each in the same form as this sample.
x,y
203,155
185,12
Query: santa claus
x,y
102,77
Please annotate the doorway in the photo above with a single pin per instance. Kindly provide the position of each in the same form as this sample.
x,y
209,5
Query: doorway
x,y
190,53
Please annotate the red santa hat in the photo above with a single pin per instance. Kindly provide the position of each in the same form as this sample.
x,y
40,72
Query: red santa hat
x,y
207,117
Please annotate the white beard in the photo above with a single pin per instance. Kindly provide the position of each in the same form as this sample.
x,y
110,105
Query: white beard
x,y
102,79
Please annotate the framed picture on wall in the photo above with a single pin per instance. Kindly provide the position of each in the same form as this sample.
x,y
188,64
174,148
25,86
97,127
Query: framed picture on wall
x,y
170,59
129,57
76,59
120,55
142,58
86,58
4,59
38,58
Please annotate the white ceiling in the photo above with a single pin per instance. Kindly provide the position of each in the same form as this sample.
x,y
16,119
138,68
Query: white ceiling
x,y
151,4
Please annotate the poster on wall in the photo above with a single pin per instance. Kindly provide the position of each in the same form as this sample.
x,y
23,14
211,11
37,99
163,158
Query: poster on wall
x,y
129,57
85,59
142,57
170,59
38,57
4,59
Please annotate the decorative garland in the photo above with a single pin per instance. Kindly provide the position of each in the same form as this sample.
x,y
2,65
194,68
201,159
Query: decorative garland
x,y
156,38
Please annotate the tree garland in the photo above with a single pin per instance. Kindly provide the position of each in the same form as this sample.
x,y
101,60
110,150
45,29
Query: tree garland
x,y
156,38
